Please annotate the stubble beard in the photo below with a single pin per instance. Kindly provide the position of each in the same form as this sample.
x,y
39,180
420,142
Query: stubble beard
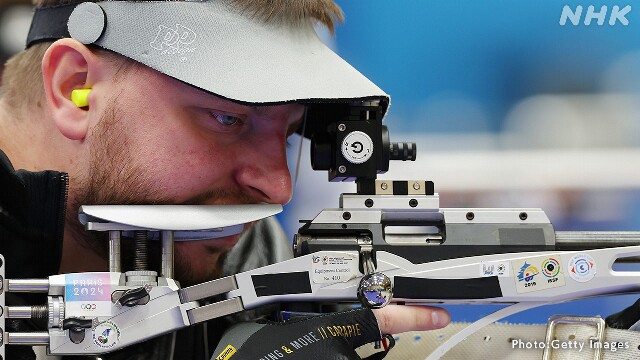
x,y
114,178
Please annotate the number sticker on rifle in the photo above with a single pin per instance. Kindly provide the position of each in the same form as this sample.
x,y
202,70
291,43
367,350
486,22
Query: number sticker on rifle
x,y
334,268
538,273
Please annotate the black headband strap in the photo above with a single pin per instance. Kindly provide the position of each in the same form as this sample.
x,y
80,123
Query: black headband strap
x,y
49,23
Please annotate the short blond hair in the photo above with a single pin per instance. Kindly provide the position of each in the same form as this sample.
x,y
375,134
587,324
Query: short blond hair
x,y
22,75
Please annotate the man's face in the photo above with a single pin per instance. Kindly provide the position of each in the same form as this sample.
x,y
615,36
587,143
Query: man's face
x,y
159,141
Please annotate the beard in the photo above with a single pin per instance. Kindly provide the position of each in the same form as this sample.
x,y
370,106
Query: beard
x,y
116,178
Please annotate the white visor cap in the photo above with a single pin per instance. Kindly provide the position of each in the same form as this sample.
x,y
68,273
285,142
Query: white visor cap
x,y
214,46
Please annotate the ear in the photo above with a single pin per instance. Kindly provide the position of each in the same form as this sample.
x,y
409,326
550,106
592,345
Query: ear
x,y
68,65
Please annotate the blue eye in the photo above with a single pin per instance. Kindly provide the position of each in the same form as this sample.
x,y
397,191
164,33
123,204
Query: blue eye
x,y
227,120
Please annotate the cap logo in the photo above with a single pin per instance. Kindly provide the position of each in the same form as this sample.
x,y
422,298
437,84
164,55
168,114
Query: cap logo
x,y
174,40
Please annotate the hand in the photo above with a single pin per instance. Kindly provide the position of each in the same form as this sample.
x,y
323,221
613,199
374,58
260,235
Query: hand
x,y
394,319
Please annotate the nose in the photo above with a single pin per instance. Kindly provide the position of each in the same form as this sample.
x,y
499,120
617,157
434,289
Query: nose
x,y
264,174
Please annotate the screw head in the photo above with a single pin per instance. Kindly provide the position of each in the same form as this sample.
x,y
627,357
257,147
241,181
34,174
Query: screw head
x,y
342,169
416,186
375,290
368,203
470,216
523,216
413,202
346,215
384,186
342,127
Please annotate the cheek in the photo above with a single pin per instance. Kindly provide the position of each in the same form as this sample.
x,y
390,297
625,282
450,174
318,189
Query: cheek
x,y
180,161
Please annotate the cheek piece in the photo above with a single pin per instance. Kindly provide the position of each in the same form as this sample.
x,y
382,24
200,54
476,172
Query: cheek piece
x,y
79,97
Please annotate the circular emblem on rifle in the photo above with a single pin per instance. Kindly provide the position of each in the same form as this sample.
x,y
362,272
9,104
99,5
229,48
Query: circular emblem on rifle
x,y
550,268
357,147
582,267
106,335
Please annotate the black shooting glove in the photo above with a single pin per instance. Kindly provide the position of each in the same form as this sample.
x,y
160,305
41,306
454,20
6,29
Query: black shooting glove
x,y
625,318
328,337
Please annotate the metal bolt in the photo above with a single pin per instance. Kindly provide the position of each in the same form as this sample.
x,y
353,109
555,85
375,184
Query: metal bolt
x,y
523,216
384,186
375,290
342,169
368,203
346,215
366,240
141,250
413,202
416,186
39,311
342,127
470,216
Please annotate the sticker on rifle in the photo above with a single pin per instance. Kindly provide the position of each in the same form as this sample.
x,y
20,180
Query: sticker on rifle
x,y
226,353
495,268
88,294
334,268
582,267
106,335
538,273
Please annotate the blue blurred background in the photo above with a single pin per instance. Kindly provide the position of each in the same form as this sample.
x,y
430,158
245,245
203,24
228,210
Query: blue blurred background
x,y
488,54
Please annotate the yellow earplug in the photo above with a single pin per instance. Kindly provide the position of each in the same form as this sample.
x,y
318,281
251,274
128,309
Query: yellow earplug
x,y
79,97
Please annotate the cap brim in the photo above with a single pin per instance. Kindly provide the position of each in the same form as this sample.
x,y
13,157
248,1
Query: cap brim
x,y
216,47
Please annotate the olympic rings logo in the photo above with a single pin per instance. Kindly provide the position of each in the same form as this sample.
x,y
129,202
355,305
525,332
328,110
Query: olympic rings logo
x,y
88,306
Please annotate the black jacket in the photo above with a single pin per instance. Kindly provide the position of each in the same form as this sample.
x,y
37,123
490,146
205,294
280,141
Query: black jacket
x,y
32,214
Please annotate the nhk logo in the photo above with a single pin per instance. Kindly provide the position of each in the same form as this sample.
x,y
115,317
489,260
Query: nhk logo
x,y
617,15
